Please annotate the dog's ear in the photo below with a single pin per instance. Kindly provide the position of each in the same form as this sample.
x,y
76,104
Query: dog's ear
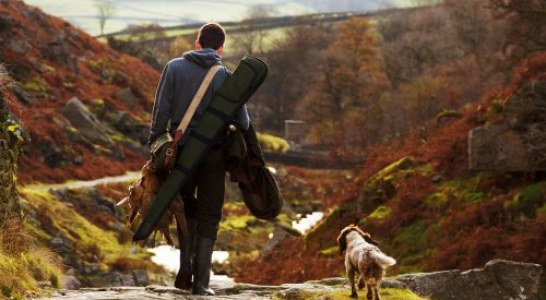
x,y
342,242
368,238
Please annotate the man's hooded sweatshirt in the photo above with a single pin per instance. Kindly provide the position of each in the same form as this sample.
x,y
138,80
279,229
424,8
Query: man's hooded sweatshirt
x,y
178,85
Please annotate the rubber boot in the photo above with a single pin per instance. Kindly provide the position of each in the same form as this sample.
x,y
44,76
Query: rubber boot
x,y
186,244
202,266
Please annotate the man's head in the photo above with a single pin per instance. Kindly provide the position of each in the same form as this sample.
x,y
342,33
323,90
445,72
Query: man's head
x,y
211,35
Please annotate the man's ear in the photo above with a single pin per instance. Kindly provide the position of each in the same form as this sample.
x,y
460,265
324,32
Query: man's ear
x,y
197,45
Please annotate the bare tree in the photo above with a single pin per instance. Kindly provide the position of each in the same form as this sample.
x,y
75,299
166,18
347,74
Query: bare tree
x,y
473,26
106,9
251,40
526,33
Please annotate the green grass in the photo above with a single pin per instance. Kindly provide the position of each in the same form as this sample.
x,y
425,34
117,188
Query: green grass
x,y
92,241
343,294
463,191
529,201
35,84
380,213
23,263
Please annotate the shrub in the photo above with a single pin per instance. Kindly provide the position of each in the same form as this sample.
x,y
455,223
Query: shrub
x,y
273,143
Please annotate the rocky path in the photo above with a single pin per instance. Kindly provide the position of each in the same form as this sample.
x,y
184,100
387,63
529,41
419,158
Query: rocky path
x,y
232,292
498,280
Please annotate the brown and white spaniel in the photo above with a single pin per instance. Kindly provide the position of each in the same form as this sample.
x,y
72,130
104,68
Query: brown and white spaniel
x,y
363,257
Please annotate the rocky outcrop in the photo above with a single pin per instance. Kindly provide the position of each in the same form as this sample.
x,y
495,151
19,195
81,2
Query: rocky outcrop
x,y
499,280
86,122
127,96
518,145
499,148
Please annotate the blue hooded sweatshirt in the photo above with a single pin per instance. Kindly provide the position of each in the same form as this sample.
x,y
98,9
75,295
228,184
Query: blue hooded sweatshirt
x,y
178,85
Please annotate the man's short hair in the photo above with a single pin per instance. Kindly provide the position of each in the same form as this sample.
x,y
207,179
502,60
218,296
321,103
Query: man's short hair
x,y
211,35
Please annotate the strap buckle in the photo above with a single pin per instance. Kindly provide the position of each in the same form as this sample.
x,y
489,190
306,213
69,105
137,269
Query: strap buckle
x,y
169,152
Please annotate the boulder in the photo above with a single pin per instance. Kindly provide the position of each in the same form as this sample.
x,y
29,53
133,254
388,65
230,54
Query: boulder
x,y
499,280
51,153
70,282
498,148
89,268
119,279
6,22
19,46
132,128
123,122
141,277
518,145
127,96
86,123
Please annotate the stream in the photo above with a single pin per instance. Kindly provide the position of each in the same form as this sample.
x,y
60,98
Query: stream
x,y
168,256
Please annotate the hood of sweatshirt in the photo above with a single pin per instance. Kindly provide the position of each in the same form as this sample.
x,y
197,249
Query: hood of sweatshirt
x,y
206,58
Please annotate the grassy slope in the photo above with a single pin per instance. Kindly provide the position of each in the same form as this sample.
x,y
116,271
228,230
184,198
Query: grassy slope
x,y
419,200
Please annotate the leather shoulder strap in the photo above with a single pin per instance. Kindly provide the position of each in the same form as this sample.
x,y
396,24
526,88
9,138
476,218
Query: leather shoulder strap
x,y
197,98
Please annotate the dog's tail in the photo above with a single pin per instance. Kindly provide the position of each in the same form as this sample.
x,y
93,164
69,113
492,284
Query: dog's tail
x,y
382,259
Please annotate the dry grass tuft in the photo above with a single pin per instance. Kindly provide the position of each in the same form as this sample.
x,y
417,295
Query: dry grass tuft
x,y
23,264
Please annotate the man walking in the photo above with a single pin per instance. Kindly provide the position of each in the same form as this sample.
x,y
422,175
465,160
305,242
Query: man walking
x,y
204,194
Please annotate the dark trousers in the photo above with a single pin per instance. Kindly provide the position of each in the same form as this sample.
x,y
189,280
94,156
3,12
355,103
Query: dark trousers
x,y
205,206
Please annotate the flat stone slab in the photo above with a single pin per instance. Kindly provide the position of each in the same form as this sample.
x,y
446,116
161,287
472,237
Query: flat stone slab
x,y
149,293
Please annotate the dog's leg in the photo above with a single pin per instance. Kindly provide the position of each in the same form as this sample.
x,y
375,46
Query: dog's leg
x,y
361,282
351,272
369,296
376,290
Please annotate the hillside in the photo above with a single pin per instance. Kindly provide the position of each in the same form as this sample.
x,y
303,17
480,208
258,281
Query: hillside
x,y
53,62
83,111
418,198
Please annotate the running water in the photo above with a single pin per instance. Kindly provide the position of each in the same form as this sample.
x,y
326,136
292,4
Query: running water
x,y
304,224
169,257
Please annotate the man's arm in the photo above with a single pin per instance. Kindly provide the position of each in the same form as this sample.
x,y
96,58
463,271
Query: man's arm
x,y
161,112
242,119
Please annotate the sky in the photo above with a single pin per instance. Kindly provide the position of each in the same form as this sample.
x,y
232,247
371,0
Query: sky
x,y
83,13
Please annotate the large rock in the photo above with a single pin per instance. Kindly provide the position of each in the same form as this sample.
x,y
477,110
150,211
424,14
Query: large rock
x,y
127,96
86,123
518,145
70,282
499,280
58,50
123,122
498,148
119,279
19,46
